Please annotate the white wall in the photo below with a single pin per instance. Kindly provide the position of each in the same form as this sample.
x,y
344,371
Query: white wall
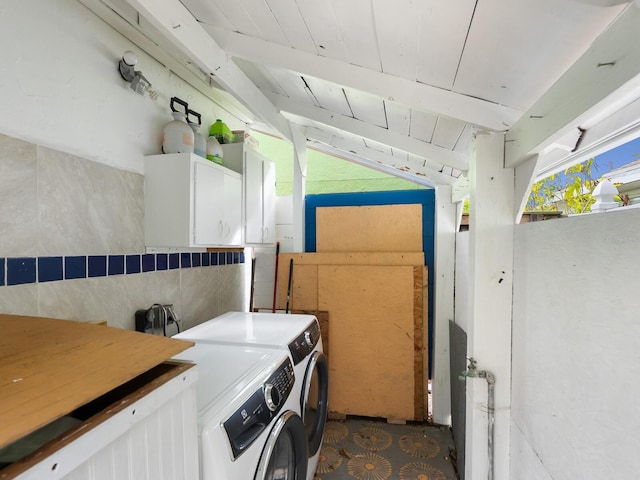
x,y
462,283
576,350
60,86
64,104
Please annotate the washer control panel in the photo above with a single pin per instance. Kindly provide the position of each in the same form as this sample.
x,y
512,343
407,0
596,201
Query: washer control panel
x,y
246,424
304,344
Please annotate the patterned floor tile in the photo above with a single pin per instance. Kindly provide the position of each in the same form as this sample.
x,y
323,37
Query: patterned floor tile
x,y
366,449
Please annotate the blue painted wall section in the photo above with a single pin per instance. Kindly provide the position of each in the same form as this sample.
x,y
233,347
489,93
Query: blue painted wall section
x,y
426,198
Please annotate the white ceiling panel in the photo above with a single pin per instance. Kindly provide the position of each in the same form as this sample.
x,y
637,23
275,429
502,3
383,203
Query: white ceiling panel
x,y
209,13
397,25
261,77
292,24
398,117
237,16
423,125
441,39
366,107
329,95
324,28
447,133
355,20
291,83
517,49
262,16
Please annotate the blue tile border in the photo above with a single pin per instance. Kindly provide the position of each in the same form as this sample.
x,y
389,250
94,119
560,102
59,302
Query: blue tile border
x,y
26,270
116,265
148,262
97,266
75,267
21,270
50,269
174,261
132,263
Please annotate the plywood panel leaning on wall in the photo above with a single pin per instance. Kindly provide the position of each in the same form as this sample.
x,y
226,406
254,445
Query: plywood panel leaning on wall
x,y
304,287
376,331
372,349
378,228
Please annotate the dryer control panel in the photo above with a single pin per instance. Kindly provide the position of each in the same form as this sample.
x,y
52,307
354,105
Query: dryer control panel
x,y
246,424
304,344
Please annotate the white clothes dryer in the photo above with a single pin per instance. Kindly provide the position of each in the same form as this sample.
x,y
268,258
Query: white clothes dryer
x,y
297,334
248,426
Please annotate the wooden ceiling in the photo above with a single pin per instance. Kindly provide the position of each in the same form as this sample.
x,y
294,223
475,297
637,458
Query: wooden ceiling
x,y
399,85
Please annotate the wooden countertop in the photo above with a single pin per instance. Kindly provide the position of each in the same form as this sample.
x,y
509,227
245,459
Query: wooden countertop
x,y
50,367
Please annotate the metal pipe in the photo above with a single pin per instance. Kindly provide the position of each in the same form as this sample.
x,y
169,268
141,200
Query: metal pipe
x,y
491,409
473,372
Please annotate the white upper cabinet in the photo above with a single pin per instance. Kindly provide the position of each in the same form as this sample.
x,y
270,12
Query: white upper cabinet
x,y
259,192
191,202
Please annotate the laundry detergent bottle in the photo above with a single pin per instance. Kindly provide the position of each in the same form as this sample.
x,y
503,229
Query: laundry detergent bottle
x,y
220,130
214,150
177,136
199,142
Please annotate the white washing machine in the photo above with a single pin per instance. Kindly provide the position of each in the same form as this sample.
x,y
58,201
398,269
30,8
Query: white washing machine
x,y
248,424
297,334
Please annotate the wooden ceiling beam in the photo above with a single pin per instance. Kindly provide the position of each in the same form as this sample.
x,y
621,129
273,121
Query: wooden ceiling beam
x,y
416,95
411,169
372,132
605,78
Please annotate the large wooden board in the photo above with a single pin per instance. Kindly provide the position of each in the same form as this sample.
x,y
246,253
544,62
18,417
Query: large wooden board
x,y
372,339
358,293
352,258
304,285
378,228
50,367
425,342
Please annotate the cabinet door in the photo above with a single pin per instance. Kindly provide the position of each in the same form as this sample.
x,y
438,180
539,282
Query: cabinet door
x,y
253,198
232,211
208,205
269,202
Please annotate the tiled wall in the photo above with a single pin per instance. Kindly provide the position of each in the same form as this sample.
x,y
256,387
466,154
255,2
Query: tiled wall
x,y
72,246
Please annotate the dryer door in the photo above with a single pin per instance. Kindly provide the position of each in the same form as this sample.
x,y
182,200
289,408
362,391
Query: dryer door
x,y
315,400
285,454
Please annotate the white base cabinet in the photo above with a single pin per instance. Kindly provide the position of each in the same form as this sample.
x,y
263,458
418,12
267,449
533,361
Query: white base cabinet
x,y
259,192
191,202
150,434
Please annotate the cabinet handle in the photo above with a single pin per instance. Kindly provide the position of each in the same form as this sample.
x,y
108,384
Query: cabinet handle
x,y
220,227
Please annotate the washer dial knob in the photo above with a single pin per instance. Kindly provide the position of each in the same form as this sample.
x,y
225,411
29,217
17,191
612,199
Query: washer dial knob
x,y
307,339
271,397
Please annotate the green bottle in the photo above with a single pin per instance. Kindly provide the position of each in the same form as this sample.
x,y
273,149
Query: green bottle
x,y
220,130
